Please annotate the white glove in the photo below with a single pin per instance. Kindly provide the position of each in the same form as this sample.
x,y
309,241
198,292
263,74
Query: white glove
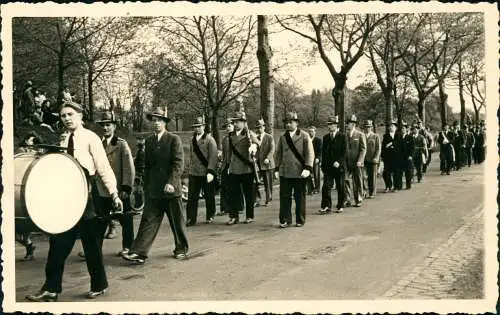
x,y
316,161
388,145
359,164
305,174
210,178
445,141
117,204
410,158
169,188
219,153
336,164
276,175
266,161
253,148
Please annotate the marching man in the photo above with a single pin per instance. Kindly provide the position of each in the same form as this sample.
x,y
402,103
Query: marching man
x,y
294,162
265,159
201,173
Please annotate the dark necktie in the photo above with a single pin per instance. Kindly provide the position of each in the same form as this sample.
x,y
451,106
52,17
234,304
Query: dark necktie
x,y
258,137
71,145
104,143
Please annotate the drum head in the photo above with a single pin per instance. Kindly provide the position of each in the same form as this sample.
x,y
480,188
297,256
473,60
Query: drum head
x,y
55,192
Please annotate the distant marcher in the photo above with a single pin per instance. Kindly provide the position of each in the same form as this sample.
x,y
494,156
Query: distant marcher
x,y
294,162
314,182
469,144
265,160
372,159
333,164
392,150
458,145
447,152
202,175
407,166
420,151
27,102
356,151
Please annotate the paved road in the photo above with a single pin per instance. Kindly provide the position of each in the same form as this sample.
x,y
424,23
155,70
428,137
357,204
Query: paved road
x,y
362,253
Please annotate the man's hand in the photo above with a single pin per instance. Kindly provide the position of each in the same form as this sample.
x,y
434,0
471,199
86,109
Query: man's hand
x,y
374,161
210,178
266,161
336,164
219,153
359,164
410,158
316,161
123,195
117,204
276,174
169,189
305,174
253,148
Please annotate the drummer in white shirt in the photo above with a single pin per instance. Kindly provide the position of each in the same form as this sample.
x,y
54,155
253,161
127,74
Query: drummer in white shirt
x,y
86,147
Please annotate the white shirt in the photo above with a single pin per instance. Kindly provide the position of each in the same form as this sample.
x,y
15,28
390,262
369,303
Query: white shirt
x,y
238,132
160,135
198,137
90,153
392,134
292,132
351,133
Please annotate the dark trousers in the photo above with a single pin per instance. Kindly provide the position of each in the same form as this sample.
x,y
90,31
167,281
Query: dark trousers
x,y
446,158
407,166
468,152
371,178
428,161
313,182
151,220
418,165
391,175
329,178
354,184
267,179
60,246
126,221
237,182
297,186
196,184
475,155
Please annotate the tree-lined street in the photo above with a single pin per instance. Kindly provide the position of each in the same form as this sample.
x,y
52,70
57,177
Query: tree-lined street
x,y
363,253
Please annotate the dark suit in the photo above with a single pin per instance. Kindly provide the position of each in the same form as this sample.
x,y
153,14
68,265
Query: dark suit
x,y
314,181
459,140
469,145
164,163
225,191
392,148
407,159
446,151
334,150
266,151
420,154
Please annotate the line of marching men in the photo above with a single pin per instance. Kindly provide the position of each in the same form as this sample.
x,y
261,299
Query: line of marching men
x,y
247,156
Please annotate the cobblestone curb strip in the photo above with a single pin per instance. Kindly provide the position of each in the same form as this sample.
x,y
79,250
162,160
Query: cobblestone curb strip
x,y
435,277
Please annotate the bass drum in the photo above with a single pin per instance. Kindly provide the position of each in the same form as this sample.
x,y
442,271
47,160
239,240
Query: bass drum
x,y
51,192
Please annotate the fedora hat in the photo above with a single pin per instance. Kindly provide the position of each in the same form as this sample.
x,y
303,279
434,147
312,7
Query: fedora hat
x,y
393,122
107,117
312,128
291,116
260,123
240,116
333,120
73,105
404,123
160,113
368,123
353,119
198,122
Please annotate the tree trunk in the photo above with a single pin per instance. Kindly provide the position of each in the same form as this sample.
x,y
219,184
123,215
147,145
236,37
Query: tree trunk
x,y
91,95
264,55
421,108
215,125
338,94
443,102
60,78
461,92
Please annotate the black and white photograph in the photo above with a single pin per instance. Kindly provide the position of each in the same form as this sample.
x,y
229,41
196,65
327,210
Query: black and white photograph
x,y
249,157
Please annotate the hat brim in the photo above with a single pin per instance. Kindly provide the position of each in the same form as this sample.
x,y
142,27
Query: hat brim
x,y
150,117
332,122
197,125
287,120
352,121
367,125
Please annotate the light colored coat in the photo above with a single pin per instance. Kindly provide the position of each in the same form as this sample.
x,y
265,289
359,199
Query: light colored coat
x,y
208,148
121,161
373,148
288,165
356,148
266,151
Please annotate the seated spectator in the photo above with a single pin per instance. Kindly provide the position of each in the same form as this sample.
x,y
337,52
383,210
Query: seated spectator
x,y
49,116
29,142
37,119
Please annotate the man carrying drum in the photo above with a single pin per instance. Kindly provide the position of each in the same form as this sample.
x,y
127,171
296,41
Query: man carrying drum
x,y
86,147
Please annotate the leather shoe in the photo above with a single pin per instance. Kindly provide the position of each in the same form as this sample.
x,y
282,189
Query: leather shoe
x,y
232,221
135,258
180,256
42,296
94,294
